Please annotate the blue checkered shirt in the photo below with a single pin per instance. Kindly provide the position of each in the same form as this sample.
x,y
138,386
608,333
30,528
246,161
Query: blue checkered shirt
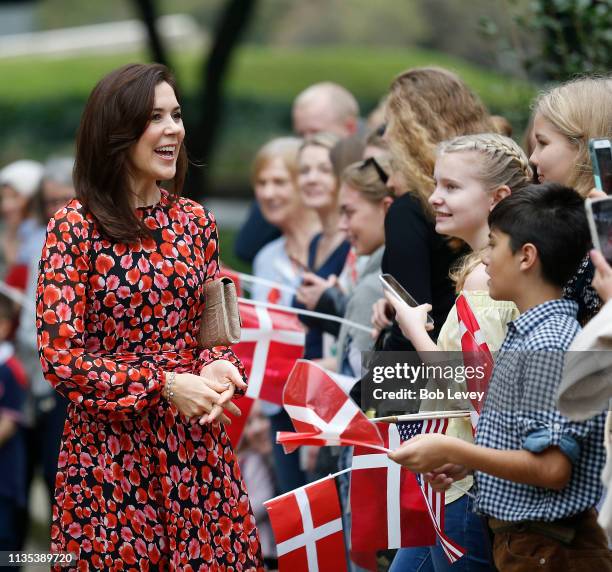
x,y
520,413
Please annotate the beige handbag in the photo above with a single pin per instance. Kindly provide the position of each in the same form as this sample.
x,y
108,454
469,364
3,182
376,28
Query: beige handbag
x,y
220,324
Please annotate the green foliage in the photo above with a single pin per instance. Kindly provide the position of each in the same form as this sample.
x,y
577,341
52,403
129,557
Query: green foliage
x,y
384,22
260,72
574,37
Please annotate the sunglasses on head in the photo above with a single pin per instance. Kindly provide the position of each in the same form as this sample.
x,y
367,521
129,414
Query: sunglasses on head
x,y
379,170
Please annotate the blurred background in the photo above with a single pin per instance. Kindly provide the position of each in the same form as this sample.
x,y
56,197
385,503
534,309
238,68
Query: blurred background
x,y
240,63
256,55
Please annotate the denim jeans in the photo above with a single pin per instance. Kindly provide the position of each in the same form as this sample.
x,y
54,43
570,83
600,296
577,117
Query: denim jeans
x,y
463,526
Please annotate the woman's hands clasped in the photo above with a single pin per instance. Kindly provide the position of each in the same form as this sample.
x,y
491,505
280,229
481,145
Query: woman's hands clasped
x,y
208,395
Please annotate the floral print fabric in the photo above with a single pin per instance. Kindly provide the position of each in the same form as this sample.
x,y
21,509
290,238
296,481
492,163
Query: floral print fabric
x,y
139,486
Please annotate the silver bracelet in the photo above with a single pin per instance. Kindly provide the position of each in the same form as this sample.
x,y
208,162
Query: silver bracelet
x,y
170,377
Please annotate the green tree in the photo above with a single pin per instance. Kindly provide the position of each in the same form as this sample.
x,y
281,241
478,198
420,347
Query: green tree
x,y
571,37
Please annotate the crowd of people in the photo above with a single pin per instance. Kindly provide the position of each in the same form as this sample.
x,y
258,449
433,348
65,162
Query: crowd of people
x,y
413,192
107,392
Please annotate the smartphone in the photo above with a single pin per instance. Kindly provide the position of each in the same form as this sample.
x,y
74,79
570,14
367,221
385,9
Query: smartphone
x,y
601,159
599,214
391,285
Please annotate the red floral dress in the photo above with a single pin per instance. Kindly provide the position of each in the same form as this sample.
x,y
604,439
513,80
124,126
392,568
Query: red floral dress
x,y
139,487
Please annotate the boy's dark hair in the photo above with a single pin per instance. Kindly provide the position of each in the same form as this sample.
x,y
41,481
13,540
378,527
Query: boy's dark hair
x,y
553,219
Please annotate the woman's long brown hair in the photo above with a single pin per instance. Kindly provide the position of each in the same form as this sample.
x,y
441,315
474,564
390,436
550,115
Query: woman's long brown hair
x,y
115,116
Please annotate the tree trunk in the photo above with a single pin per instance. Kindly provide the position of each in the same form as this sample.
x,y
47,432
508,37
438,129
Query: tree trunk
x,y
148,14
201,140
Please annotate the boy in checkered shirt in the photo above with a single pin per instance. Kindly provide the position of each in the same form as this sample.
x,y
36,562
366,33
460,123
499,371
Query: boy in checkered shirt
x,y
537,473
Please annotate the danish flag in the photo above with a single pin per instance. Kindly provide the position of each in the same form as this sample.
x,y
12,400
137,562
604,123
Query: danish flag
x,y
434,500
475,350
307,526
387,507
270,343
322,413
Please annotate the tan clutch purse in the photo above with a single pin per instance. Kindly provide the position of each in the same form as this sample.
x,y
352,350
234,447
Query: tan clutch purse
x,y
220,324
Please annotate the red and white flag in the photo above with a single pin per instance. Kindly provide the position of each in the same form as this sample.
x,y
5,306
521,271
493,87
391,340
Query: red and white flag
x,y
307,526
322,413
270,343
387,507
475,350
433,499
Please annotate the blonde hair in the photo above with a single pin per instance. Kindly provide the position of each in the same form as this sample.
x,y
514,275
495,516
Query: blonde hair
x,y
284,148
366,180
376,117
502,125
426,106
503,163
579,109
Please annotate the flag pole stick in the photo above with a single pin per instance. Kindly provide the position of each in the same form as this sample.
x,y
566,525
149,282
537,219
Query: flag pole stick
x,y
331,476
264,282
299,311
422,416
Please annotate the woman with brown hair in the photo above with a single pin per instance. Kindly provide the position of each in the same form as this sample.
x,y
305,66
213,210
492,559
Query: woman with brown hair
x,y
147,478
328,250
425,106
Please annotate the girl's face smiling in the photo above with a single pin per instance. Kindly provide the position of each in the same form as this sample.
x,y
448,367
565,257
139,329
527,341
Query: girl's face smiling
x,y
153,157
554,156
460,200
362,220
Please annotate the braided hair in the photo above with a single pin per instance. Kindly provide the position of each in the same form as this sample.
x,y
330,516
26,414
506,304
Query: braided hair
x,y
503,163
425,106
503,160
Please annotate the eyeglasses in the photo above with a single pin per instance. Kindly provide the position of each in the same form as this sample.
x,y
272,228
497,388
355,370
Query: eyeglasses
x,y
379,170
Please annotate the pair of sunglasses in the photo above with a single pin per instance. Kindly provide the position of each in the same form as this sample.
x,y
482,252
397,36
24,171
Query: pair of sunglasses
x,y
379,170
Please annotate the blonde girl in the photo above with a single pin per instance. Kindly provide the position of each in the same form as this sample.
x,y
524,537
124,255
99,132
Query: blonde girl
x,y
565,118
472,174
425,106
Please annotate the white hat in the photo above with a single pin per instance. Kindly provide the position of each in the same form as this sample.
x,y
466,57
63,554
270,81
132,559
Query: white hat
x,y
23,176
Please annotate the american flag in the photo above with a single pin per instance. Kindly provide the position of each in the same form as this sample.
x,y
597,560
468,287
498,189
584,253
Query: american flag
x,y
433,499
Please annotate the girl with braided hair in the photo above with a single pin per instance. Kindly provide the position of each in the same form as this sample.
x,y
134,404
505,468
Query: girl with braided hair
x,y
472,174
425,106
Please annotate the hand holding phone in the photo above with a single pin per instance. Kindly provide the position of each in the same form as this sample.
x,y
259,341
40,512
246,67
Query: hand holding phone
x,y
396,290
